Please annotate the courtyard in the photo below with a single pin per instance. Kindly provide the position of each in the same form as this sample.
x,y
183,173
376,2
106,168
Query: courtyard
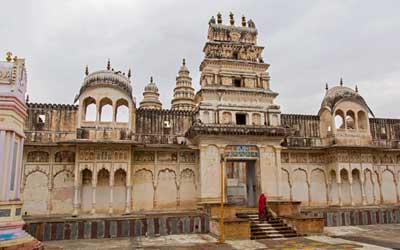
x,y
373,237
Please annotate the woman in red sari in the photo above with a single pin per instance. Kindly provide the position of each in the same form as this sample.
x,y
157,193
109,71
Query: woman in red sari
x,y
262,207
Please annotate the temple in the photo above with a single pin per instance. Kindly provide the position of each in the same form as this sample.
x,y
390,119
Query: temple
x,y
106,154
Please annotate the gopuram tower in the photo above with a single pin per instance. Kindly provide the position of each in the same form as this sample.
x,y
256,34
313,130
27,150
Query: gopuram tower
x,y
13,112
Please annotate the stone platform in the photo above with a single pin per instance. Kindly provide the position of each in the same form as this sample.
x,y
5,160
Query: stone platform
x,y
99,227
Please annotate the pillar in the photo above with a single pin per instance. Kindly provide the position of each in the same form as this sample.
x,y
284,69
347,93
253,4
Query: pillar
x,y
76,191
363,196
94,184
351,190
128,199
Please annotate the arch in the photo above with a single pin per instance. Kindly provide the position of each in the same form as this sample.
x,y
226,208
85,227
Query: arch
x,y
89,109
227,117
187,188
286,186
122,111
35,193
345,186
106,110
103,191
339,119
318,187
64,156
356,186
388,186
63,192
362,120
143,189
38,156
166,190
334,188
119,190
300,185
369,187
256,119
350,120
86,194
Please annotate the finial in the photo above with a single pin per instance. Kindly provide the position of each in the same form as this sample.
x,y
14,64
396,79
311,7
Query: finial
x,y
129,73
326,86
243,21
27,99
231,20
8,58
108,64
151,79
219,18
212,20
341,81
183,62
86,70
356,89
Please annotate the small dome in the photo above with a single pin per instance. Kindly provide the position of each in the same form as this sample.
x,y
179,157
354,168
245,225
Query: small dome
x,y
106,78
338,94
151,87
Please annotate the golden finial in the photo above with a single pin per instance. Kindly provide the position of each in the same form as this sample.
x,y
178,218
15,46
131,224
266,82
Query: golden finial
x,y
129,73
231,20
15,58
8,58
108,64
151,79
244,21
86,70
183,62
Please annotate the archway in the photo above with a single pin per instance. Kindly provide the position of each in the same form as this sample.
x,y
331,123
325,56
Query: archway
x,y
143,190
300,186
86,195
36,194
106,110
103,191
388,187
166,189
334,190
356,186
119,191
318,188
345,185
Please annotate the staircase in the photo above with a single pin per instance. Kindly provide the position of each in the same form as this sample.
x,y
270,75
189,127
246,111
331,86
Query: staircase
x,y
273,228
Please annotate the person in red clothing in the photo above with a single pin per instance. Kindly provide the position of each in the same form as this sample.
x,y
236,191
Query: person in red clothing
x,y
262,207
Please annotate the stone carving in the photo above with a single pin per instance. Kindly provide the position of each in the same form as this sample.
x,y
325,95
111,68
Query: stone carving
x,y
104,155
86,155
166,156
38,156
144,156
121,155
64,156
187,157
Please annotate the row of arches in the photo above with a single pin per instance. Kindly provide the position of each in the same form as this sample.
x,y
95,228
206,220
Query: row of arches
x,y
105,110
351,120
43,156
343,188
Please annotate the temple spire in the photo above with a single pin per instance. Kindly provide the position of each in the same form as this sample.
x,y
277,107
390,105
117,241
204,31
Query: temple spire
x,y
183,96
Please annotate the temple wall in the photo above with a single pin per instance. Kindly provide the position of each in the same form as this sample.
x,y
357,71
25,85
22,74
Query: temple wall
x,y
160,179
340,178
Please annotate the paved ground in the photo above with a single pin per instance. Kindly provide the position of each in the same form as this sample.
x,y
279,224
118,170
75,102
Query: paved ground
x,y
376,237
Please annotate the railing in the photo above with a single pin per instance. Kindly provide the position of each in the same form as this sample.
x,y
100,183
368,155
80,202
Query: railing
x,y
48,136
302,142
233,129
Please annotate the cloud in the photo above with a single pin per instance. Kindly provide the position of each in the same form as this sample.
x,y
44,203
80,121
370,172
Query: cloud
x,y
307,43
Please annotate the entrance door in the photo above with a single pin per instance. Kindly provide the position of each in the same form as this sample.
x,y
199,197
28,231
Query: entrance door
x,y
241,183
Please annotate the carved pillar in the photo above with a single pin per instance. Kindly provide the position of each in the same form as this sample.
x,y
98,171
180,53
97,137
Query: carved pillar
x,y
363,196
339,183
77,181
351,193
94,184
397,191
328,193
128,199
380,189
309,193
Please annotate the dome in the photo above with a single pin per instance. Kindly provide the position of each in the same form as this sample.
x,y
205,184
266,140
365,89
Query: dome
x,y
338,94
151,87
107,78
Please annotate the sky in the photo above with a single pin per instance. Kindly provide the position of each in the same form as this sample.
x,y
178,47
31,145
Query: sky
x,y
308,43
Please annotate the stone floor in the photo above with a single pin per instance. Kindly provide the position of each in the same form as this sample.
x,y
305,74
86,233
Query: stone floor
x,y
376,237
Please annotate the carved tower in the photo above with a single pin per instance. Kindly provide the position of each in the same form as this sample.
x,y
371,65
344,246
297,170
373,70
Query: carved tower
x,y
235,84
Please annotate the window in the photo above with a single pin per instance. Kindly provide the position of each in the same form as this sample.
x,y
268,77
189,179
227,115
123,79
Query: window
x,y
237,83
235,55
241,119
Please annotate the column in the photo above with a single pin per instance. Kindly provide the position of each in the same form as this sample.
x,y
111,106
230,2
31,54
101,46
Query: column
x,y
351,191
278,151
397,191
94,183
339,183
76,187
128,199
363,196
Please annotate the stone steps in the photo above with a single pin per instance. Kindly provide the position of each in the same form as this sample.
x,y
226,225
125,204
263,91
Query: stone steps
x,y
273,228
